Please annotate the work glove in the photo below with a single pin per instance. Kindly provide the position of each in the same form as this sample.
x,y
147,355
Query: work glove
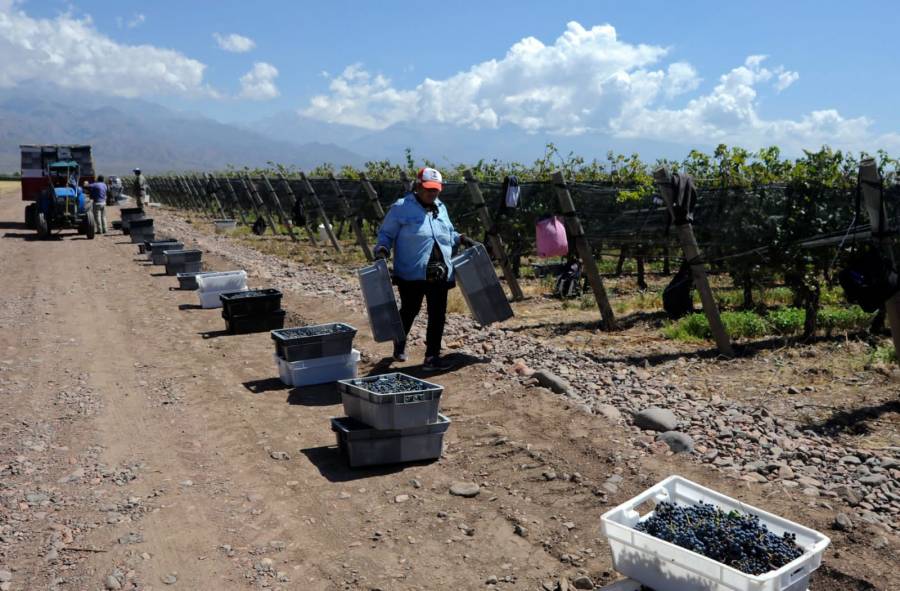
x,y
382,252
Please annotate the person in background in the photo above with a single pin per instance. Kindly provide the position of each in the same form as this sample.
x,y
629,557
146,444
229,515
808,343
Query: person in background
x,y
98,192
141,189
422,237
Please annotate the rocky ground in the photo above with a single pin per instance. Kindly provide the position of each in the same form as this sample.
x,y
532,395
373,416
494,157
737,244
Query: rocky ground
x,y
140,448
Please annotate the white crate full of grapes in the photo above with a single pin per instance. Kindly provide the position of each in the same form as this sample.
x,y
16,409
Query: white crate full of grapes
x,y
696,539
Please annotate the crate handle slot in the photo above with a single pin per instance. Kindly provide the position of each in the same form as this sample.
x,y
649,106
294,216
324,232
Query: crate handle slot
x,y
798,574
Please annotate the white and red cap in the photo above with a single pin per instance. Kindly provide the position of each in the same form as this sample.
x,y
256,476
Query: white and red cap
x,y
429,178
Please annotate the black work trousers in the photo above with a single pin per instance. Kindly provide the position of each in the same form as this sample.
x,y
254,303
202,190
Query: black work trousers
x,y
435,295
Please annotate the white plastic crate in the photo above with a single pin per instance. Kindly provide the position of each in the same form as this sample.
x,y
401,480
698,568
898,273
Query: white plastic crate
x,y
667,567
211,285
222,281
210,299
308,372
624,585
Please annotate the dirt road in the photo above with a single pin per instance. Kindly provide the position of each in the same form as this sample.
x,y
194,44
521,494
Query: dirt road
x,y
137,451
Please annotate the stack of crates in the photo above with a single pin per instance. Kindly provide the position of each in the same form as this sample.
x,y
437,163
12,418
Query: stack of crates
x,y
158,249
391,418
318,354
253,310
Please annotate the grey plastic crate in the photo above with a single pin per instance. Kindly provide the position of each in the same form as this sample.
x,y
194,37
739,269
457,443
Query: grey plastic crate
x,y
480,286
293,344
378,294
364,446
146,246
128,217
142,235
157,250
183,256
174,269
188,281
397,410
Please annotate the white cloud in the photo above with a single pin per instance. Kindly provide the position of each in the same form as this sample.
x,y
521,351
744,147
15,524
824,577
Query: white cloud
x,y
136,20
590,81
730,114
785,79
234,43
259,82
71,52
567,87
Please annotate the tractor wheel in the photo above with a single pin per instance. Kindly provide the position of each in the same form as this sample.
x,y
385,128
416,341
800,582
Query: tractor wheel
x,y
90,226
43,230
29,216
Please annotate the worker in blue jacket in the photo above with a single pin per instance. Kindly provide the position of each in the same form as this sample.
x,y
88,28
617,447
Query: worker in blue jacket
x,y
422,237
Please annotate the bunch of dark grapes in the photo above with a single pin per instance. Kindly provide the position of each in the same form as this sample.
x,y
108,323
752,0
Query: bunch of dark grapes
x,y
313,331
391,384
734,539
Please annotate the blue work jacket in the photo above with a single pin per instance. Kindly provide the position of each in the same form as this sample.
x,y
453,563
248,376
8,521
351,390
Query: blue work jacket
x,y
412,231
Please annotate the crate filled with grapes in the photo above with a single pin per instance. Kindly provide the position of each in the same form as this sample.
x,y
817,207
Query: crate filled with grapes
x,y
680,536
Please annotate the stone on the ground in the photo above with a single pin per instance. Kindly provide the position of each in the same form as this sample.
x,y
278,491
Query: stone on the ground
x,y
583,582
464,489
842,522
656,419
552,381
279,455
677,441
113,583
609,412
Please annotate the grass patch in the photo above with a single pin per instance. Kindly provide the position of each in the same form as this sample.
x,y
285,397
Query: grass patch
x,y
883,354
783,321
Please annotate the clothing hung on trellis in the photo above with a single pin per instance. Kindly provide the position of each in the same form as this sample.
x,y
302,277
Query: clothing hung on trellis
x,y
685,198
677,300
868,280
259,226
551,237
511,197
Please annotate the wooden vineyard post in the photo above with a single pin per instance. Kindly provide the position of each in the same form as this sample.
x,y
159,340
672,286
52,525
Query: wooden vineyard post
x,y
206,183
254,195
288,228
234,199
288,223
407,183
355,220
253,203
496,243
608,319
372,196
692,256
297,200
307,186
203,196
872,193
183,189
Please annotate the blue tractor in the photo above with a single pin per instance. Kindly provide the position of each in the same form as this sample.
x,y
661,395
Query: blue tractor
x,y
63,205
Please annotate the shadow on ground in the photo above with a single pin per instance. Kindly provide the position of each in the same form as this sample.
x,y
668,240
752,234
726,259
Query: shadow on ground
x,y
334,467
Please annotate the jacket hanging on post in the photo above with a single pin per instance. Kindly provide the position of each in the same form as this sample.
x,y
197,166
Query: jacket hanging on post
x,y
551,238
511,193
259,226
685,198
677,300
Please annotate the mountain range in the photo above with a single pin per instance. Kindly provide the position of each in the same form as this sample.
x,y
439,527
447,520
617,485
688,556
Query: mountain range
x,y
131,132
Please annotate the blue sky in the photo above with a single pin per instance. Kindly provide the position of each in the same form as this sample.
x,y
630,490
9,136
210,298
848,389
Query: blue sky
x,y
822,57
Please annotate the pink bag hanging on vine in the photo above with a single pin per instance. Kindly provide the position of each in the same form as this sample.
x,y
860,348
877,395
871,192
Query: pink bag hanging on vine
x,y
551,238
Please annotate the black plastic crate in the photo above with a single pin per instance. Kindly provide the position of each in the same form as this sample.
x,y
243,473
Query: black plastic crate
x,y
146,247
266,321
141,223
253,302
174,269
313,342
